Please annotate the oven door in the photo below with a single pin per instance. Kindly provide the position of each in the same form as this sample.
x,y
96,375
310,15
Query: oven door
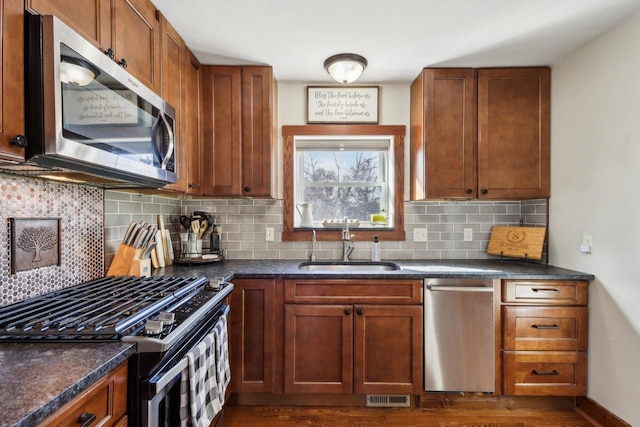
x,y
160,393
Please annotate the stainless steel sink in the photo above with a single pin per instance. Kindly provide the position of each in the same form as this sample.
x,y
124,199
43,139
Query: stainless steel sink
x,y
348,266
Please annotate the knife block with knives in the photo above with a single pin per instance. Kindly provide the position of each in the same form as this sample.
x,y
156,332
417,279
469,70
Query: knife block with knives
x,y
133,255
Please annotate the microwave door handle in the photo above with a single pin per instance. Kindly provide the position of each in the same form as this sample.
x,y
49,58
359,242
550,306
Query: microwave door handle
x,y
157,155
171,135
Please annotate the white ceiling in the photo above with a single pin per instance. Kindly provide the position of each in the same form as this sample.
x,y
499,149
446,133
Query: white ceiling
x,y
397,37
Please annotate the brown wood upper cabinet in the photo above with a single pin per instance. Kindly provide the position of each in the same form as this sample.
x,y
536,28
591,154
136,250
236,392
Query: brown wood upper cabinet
x,y
239,147
173,75
126,30
12,75
480,134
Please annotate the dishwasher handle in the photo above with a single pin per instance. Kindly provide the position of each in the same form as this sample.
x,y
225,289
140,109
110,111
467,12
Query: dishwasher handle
x,y
460,288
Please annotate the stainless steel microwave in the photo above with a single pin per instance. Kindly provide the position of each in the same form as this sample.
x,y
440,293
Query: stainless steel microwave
x,y
85,113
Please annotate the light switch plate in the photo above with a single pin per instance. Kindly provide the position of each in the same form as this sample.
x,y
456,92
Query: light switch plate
x,y
468,234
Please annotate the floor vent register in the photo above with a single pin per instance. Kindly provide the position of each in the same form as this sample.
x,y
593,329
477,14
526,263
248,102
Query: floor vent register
x,y
389,400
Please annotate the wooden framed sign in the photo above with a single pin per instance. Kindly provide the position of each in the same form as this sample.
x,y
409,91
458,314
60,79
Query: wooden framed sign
x,y
342,104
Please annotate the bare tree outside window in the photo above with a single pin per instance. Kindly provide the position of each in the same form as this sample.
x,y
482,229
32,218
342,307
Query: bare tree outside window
x,y
339,183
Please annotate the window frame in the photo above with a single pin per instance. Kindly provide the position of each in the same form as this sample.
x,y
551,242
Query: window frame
x,y
289,133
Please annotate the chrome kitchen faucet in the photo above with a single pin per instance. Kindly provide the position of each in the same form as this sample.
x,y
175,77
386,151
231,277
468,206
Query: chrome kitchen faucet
x,y
348,241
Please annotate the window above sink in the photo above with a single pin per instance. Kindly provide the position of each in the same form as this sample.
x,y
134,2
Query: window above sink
x,y
344,170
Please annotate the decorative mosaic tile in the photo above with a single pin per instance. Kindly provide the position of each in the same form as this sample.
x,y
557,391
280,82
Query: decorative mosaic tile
x,y
80,209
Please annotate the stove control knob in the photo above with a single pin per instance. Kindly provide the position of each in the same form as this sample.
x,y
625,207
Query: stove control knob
x,y
215,284
167,318
153,327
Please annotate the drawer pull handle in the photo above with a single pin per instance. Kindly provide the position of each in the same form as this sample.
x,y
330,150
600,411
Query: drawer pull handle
x,y
536,372
86,419
545,290
545,326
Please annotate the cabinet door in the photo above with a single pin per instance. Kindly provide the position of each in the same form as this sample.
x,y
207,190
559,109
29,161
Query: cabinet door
x,y
221,155
258,132
513,145
192,130
12,75
173,54
443,134
256,330
388,349
92,20
136,39
318,349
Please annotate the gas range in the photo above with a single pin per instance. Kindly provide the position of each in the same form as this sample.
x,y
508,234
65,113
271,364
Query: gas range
x,y
153,312
166,317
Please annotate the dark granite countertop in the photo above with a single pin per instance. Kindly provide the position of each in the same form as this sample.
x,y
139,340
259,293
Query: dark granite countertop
x,y
412,269
39,378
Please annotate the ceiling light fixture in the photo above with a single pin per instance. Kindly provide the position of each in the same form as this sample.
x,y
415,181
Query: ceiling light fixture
x,y
345,67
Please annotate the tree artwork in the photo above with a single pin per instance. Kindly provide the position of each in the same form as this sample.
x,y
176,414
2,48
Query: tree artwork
x,y
37,239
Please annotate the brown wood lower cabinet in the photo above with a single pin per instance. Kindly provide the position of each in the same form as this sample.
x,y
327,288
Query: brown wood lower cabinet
x,y
256,336
544,325
346,345
106,401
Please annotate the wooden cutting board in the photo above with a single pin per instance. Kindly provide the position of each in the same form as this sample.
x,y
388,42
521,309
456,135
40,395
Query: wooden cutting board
x,y
517,242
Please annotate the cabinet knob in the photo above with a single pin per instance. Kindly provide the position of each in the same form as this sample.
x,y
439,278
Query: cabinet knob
x,y
19,140
247,189
360,312
109,53
192,185
347,312
86,419
485,191
469,191
123,63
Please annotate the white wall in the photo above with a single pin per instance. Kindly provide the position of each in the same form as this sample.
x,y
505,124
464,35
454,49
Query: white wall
x,y
595,179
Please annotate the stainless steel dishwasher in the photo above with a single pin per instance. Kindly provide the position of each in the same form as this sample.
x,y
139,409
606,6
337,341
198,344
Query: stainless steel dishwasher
x,y
459,345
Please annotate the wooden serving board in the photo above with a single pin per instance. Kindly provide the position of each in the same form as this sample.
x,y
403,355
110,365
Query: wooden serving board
x,y
517,242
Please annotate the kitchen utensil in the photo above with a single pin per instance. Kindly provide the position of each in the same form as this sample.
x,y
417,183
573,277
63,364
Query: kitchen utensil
x,y
306,218
170,255
204,225
186,222
160,249
163,240
195,225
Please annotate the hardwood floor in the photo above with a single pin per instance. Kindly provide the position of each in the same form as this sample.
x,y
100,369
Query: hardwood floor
x,y
288,416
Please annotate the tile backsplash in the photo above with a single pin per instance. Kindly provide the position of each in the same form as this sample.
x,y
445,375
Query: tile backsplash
x,y
80,210
93,222
242,224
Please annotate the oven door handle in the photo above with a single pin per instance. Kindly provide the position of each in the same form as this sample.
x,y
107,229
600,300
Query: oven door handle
x,y
165,379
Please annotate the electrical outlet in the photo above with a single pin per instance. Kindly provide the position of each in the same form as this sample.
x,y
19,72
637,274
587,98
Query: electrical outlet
x,y
419,234
468,234
269,234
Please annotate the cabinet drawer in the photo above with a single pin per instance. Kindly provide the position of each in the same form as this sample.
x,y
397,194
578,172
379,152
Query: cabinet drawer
x,y
549,373
348,291
548,292
545,328
105,399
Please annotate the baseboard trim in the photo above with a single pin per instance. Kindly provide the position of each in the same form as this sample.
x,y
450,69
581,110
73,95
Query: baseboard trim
x,y
598,415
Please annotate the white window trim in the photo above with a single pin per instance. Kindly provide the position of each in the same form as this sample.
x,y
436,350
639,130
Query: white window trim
x,y
356,142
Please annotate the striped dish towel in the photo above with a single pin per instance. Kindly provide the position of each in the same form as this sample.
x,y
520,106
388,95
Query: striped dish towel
x,y
223,370
205,379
